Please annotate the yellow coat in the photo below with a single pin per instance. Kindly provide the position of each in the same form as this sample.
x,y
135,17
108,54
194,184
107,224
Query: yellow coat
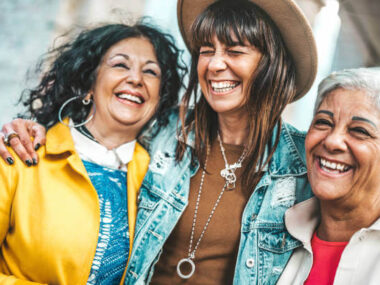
x,y
49,214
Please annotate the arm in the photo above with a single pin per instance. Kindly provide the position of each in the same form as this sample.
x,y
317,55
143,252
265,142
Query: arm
x,y
7,191
24,147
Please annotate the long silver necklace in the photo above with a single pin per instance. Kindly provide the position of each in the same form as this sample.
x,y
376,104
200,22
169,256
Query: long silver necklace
x,y
230,179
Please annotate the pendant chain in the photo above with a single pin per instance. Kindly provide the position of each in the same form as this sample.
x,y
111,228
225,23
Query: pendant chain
x,y
230,181
192,253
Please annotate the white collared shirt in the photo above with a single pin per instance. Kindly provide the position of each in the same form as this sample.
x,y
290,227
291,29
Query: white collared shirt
x,y
360,260
92,151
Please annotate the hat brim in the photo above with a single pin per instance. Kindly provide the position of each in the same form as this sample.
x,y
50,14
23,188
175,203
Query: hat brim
x,y
289,19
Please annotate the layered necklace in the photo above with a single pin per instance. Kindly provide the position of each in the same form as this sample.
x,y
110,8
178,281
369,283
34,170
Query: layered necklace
x,y
228,173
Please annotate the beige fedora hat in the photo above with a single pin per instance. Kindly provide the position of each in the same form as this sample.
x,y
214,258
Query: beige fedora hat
x,y
290,20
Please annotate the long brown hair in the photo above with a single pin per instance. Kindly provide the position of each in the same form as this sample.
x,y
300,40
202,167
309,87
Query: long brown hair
x,y
272,84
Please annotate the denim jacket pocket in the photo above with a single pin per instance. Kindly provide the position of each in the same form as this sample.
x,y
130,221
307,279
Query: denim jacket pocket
x,y
275,248
147,202
276,239
152,200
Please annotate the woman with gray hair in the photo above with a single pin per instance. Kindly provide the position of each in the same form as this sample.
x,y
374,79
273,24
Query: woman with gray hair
x,y
340,227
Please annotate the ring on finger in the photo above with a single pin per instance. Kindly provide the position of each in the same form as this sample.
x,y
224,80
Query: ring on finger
x,y
9,137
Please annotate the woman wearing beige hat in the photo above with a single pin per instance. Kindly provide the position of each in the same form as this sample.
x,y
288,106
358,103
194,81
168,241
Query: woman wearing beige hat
x,y
212,204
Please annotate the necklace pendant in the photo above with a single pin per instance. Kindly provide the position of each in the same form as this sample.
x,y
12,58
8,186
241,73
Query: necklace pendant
x,y
224,173
192,265
229,175
231,186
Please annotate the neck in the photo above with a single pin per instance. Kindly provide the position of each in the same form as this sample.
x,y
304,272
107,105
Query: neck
x,y
110,137
339,222
233,129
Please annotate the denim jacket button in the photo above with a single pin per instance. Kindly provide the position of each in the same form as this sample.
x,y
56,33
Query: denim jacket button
x,y
250,262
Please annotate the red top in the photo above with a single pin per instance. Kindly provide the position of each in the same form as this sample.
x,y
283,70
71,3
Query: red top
x,y
326,256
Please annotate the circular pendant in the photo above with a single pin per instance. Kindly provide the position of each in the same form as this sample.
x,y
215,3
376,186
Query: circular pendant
x,y
192,265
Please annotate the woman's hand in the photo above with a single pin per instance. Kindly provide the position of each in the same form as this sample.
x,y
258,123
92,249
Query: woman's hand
x,y
22,143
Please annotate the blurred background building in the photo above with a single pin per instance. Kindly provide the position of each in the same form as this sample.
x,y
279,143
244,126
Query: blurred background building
x,y
347,33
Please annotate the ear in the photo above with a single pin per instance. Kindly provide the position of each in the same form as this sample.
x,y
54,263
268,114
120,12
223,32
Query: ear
x,y
87,100
88,96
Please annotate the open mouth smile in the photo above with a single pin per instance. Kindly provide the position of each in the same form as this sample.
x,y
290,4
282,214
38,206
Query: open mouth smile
x,y
130,97
333,167
223,86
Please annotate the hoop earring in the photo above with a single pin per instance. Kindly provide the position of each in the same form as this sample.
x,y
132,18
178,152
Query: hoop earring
x,y
84,102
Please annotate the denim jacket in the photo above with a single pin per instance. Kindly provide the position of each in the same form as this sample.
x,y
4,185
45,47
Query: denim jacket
x,y
265,245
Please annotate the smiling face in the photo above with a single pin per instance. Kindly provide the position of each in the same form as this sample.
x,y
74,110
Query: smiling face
x,y
225,73
127,86
343,148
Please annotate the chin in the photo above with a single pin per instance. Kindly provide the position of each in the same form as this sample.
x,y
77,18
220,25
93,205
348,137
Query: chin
x,y
326,193
124,121
222,108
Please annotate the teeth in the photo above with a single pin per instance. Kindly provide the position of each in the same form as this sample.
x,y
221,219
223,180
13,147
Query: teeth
x,y
130,97
327,165
223,86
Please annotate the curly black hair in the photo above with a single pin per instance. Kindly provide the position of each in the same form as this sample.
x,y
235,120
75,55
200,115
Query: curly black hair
x,y
72,71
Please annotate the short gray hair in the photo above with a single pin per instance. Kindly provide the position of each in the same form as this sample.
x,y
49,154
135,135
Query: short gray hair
x,y
365,79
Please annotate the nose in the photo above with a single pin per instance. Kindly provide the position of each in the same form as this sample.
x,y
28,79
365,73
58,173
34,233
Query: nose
x,y
134,77
335,141
217,62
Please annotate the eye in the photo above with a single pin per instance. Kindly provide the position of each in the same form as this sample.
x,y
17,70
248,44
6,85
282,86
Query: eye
x,y
360,131
122,65
235,52
206,51
323,123
151,71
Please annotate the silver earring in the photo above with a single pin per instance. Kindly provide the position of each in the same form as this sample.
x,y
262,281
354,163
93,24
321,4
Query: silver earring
x,y
85,102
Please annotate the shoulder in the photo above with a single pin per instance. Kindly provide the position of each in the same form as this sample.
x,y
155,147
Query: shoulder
x,y
166,137
289,156
152,131
293,138
297,135
18,175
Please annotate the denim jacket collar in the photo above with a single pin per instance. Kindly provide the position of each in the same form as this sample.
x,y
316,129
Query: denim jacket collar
x,y
294,163
278,166
190,138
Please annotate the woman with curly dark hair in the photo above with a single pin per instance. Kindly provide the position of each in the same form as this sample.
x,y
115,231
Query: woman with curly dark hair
x,y
71,219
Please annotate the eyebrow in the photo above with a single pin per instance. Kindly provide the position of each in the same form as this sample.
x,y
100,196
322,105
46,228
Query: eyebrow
x,y
207,44
356,118
232,44
127,57
236,43
326,112
152,61
121,54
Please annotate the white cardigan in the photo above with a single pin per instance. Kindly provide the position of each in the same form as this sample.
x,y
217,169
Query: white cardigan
x,y
360,260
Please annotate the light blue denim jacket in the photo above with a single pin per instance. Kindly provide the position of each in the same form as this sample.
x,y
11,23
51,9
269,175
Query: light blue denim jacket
x,y
265,245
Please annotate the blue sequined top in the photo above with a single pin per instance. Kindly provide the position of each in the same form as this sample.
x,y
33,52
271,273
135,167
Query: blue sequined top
x,y
113,244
